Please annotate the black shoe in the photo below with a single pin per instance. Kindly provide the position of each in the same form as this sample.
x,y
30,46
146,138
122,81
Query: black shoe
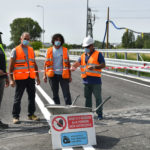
x,y
3,125
100,117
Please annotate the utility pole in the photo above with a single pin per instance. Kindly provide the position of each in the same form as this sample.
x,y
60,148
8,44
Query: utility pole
x,y
87,18
43,21
107,42
90,21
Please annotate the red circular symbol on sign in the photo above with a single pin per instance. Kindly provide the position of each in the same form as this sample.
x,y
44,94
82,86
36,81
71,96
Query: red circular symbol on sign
x,y
59,123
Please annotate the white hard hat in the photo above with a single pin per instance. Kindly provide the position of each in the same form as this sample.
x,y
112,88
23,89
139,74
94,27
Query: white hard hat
x,y
87,41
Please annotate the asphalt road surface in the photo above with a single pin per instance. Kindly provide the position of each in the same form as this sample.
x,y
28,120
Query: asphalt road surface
x,y
126,123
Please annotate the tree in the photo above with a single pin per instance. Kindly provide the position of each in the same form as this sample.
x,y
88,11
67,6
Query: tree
x,y
143,41
97,44
128,40
139,43
20,25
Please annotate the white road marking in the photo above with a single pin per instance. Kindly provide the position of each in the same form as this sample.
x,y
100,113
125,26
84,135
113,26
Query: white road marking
x,y
67,148
127,80
43,109
50,101
88,148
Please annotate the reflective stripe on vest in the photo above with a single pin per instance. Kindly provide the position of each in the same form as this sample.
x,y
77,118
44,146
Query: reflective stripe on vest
x,y
21,69
4,54
93,61
20,61
49,63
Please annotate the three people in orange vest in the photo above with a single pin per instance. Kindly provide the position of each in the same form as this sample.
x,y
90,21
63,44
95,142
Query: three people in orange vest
x,y
23,71
57,69
91,63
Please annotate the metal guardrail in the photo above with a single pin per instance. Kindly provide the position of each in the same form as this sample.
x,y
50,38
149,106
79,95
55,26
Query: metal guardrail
x,y
115,62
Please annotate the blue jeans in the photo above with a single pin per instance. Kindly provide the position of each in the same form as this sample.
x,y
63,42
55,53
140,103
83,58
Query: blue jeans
x,y
95,89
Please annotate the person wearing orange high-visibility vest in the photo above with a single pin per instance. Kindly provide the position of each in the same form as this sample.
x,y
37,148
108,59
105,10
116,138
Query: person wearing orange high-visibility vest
x,y
57,69
23,71
91,63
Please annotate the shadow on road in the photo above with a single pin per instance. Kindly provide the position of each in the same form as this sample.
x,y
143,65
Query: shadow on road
x,y
38,127
122,120
105,142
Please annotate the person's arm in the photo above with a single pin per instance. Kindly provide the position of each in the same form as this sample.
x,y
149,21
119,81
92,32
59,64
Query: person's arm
x,y
76,65
37,74
44,75
7,82
11,68
2,73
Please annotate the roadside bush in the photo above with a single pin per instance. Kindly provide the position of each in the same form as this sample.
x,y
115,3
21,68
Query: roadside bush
x,y
36,45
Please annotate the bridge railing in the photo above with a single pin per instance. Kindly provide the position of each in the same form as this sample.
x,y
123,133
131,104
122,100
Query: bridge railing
x,y
138,64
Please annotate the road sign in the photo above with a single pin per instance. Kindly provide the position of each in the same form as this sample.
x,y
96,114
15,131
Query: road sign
x,y
72,130
59,123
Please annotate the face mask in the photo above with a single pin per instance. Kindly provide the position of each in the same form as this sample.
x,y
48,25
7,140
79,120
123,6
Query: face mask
x,y
57,43
87,50
25,42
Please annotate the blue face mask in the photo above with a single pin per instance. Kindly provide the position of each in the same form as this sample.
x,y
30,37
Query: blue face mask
x,y
25,42
57,43
87,50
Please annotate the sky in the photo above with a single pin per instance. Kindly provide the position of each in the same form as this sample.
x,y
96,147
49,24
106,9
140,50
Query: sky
x,y
68,17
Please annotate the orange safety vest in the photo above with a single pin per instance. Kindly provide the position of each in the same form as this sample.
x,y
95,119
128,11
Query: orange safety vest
x,y
49,63
21,69
93,60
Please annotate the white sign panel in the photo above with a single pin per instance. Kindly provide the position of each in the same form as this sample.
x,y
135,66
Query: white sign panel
x,y
70,130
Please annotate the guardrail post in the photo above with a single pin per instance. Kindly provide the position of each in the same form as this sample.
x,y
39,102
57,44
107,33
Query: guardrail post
x,y
107,55
125,56
104,54
138,58
116,58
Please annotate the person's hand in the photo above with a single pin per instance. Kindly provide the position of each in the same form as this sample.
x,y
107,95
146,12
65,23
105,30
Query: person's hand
x,y
70,79
91,67
38,81
2,73
45,79
72,68
12,83
7,82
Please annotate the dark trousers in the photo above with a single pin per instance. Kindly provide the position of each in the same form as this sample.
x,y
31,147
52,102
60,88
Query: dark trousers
x,y
96,90
21,85
64,83
2,85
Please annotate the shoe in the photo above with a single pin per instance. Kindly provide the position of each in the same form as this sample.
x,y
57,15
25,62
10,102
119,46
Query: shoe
x,y
33,117
3,125
16,121
100,117
49,131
